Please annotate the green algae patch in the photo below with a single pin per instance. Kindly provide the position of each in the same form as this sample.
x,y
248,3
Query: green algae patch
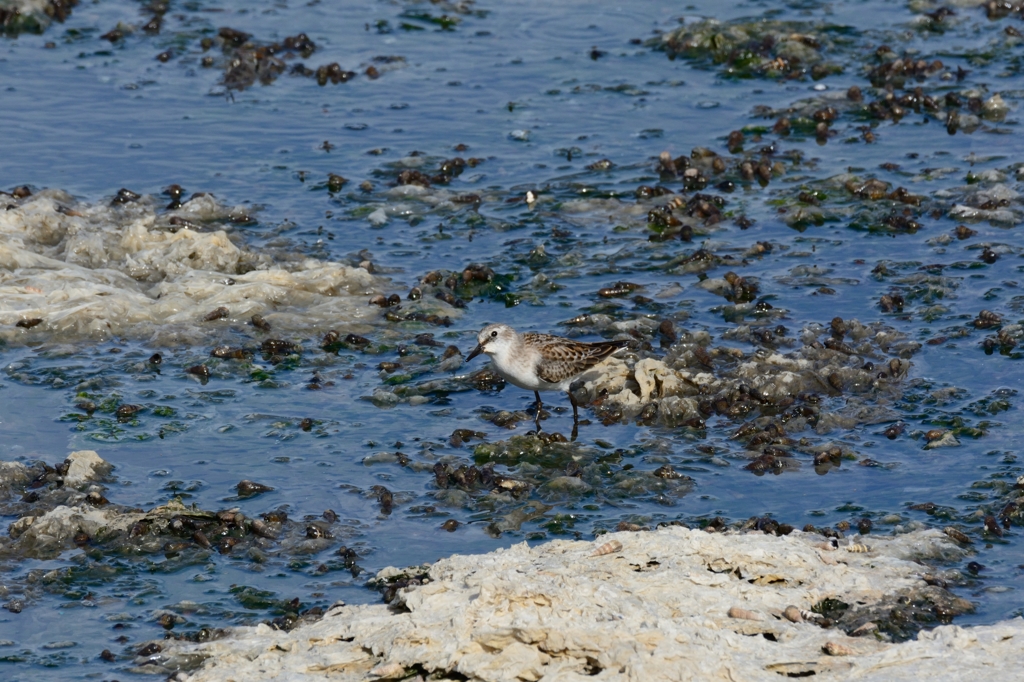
x,y
756,49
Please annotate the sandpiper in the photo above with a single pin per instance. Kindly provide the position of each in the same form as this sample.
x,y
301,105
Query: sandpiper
x,y
541,362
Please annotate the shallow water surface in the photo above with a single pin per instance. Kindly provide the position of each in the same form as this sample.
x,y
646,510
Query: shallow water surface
x,y
558,115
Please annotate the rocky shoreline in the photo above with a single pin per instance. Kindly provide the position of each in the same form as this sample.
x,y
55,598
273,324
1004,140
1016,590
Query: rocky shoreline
x,y
671,603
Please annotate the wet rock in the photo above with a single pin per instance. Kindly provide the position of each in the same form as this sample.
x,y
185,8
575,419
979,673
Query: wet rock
x,y
945,439
216,314
746,49
384,399
333,73
963,232
460,436
229,353
85,467
260,323
250,488
618,289
278,347
49,534
385,498
127,411
565,485
13,475
733,383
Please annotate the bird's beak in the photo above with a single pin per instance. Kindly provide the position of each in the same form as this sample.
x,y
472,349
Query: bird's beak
x,y
475,352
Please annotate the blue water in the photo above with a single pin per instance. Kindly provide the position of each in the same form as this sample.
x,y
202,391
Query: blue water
x,y
90,117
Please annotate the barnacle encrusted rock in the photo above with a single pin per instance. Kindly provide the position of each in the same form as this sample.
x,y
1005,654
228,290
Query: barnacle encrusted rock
x,y
658,609
693,371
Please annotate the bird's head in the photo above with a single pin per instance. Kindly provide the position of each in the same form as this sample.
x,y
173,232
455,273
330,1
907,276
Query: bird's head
x,y
493,339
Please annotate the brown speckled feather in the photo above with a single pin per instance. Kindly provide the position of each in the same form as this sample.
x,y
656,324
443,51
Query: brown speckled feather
x,y
563,359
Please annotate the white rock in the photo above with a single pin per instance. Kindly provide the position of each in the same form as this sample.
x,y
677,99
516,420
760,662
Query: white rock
x,y
55,530
656,610
96,271
85,467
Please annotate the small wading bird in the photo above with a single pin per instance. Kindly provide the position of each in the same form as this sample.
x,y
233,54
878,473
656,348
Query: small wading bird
x,y
541,362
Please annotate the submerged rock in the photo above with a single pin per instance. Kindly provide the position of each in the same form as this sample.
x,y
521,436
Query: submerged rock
x,y
667,605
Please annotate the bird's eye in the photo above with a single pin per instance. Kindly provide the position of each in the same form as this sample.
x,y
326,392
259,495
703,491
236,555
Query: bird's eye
x,y
494,334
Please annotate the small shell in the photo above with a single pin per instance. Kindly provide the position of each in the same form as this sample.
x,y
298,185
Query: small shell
x,y
793,614
126,411
810,615
216,314
957,535
836,649
825,546
737,612
200,539
857,548
389,671
263,530
608,548
513,485
865,629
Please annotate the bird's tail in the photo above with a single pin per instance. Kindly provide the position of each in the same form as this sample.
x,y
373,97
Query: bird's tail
x,y
609,347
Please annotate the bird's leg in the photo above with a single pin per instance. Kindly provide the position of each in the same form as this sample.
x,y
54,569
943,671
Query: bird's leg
x,y
575,409
575,417
539,406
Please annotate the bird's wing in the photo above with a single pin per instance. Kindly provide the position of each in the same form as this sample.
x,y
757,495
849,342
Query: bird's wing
x,y
562,359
